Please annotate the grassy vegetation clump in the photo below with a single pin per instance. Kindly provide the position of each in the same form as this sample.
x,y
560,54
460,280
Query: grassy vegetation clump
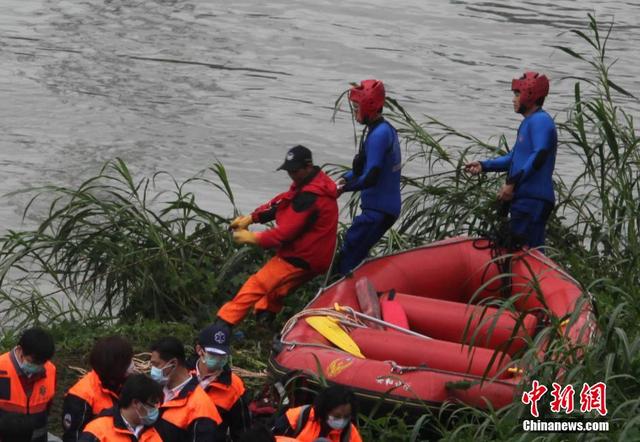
x,y
110,250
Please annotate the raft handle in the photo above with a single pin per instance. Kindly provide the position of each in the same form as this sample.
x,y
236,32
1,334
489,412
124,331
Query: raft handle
x,y
401,369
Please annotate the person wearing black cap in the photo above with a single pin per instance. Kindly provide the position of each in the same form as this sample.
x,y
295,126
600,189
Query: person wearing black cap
x,y
225,388
306,219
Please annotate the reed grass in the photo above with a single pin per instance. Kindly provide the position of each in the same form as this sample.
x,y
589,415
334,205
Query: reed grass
x,y
112,248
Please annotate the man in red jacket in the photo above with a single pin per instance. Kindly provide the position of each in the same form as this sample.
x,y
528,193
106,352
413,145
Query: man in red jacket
x,y
306,219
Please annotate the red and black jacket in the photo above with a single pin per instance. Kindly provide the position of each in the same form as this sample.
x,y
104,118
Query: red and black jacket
x,y
306,222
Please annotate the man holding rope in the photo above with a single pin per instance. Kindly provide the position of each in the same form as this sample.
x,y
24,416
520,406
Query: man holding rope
x,y
306,219
529,185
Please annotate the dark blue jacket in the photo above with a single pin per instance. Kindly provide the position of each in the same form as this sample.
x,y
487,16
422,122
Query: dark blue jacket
x,y
380,163
531,161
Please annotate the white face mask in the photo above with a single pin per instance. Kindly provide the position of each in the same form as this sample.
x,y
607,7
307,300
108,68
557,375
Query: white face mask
x,y
337,423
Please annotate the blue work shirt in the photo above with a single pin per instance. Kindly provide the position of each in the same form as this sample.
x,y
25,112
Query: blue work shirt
x,y
532,159
379,181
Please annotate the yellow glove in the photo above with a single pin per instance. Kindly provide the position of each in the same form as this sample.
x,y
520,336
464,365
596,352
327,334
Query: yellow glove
x,y
241,222
243,236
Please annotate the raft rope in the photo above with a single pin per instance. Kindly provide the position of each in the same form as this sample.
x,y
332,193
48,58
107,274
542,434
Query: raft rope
x,y
142,364
395,368
324,311
342,317
499,239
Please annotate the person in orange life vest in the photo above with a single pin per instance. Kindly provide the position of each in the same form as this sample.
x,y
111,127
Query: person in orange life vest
x,y
133,417
263,434
15,427
111,362
331,416
28,380
225,388
187,413
305,235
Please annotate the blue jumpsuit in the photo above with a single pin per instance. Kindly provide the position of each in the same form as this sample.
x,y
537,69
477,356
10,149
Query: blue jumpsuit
x,y
530,167
377,176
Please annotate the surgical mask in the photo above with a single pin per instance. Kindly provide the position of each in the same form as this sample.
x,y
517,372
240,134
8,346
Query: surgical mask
x,y
337,423
157,374
215,362
30,369
151,417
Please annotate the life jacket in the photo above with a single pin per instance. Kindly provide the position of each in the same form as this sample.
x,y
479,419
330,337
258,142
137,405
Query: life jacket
x,y
383,194
226,390
180,413
90,389
111,427
531,161
307,429
14,398
85,400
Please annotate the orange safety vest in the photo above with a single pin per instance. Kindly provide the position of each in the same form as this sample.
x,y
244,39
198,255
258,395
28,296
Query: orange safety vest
x,y
177,415
309,430
225,396
286,439
14,399
110,427
90,389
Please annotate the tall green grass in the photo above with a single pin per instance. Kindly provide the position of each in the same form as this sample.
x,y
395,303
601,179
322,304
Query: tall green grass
x,y
115,248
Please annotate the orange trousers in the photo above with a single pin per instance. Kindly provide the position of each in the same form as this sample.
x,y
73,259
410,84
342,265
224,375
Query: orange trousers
x,y
264,290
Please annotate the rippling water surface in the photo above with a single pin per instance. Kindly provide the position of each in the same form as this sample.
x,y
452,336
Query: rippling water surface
x,y
174,85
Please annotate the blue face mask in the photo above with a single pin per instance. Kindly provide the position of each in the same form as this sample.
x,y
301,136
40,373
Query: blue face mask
x,y
30,369
157,374
215,362
337,423
151,417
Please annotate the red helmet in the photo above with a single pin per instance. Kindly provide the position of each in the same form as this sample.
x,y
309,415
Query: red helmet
x,y
532,86
369,97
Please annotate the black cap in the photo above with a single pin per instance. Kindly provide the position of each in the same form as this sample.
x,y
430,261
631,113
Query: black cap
x,y
215,338
297,158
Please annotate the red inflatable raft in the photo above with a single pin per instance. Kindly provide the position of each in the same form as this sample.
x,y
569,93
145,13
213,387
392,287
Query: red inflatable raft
x,y
452,297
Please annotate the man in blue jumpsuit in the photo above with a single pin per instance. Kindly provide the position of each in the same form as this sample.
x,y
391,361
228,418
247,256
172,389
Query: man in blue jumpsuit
x,y
375,173
530,164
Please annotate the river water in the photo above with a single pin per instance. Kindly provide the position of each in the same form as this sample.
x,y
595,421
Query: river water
x,y
175,85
